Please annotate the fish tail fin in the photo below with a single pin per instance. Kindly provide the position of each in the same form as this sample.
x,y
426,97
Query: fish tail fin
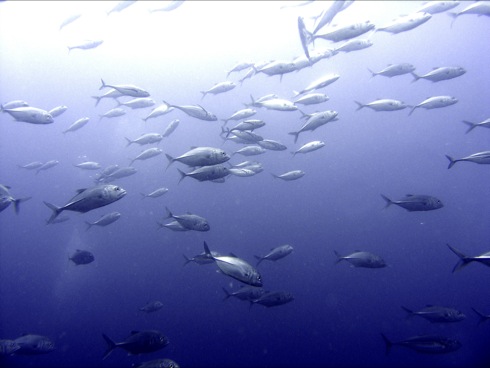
x,y
129,141
143,195
187,259
373,74
409,311
103,84
296,135
169,214
415,77
89,225
388,201
388,343
483,317
228,294
359,105
206,249
56,211
412,110
203,94
17,203
111,345
225,121
160,225
170,160
259,259
275,176
471,126
97,99
339,257
452,161
463,259
182,175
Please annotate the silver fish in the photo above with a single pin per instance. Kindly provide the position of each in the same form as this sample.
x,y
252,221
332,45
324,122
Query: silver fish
x,y
305,38
320,83
111,93
362,259
328,15
201,156
146,154
158,111
440,74
478,8
32,165
435,313
250,124
383,105
406,23
290,175
241,114
435,103
172,225
202,258
272,145
338,34
139,342
57,111
417,202
126,89
465,260
434,7
354,45
120,172
8,347
242,65
190,221
482,158
156,193
394,70
82,257
113,113
147,138
104,220
89,165
277,67
309,147
311,99
86,45
195,111
34,344
171,128
206,173
31,115
138,103
278,104
89,199
13,105
425,344
121,5
69,20
236,268
77,125
250,151
484,124
276,253
219,88
47,165
172,5
315,121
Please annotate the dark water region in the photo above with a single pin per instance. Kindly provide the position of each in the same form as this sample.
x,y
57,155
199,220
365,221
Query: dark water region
x,y
330,311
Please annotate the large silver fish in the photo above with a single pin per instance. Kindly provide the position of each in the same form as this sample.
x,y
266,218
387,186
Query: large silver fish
x,y
200,156
236,268
206,173
416,202
6,199
482,158
195,111
89,199
126,89
31,115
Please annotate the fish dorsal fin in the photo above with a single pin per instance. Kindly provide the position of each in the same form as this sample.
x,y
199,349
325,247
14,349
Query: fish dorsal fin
x,y
434,68
78,250
429,305
357,250
134,332
194,147
79,191
409,195
233,255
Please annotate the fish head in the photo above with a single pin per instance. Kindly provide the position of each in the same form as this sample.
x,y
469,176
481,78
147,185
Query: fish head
x,y
254,277
437,203
46,346
115,192
203,226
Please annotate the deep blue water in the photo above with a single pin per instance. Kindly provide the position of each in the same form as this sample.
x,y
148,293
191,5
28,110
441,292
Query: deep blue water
x,y
338,312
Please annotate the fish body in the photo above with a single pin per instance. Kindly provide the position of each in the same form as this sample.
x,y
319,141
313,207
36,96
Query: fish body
x,y
362,259
89,199
104,220
13,105
250,124
113,113
277,67
241,114
383,105
434,7
354,45
202,258
406,23
477,8
82,257
172,5
276,253
86,45
156,193
206,173
311,99
8,347
464,260
346,33
278,104
47,165
31,115
113,93
435,313
147,138
315,121
442,73
250,151
416,202
190,221
305,38
158,111
309,147
126,89
34,345
246,292
220,88
482,158
89,165
201,156
236,268
394,70
329,14
290,175
320,83
272,145
435,103
139,342
146,154
273,298
32,165
118,173
195,111
171,128
245,135
57,111
425,344
152,306
138,103
69,20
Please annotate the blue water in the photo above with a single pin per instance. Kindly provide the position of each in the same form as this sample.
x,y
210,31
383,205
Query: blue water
x,y
338,312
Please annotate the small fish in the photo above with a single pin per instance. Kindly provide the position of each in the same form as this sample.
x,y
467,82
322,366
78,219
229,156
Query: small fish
x,y
158,111
394,70
206,173
86,45
272,145
241,114
290,175
69,20
126,89
152,306
104,220
329,14
311,99
13,105
34,344
347,32
89,165
195,111
202,258
465,260
250,151
406,23
156,193
315,121
118,173
435,102
273,298
362,259
435,313
201,156
309,147
31,115
113,113
47,165
305,37
32,165
434,7
138,103
478,8
278,104
190,221
219,88
250,124
146,154
417,202
440,74
138,343
277,67
383,105
276,253
111,93
484,124
147,138
82,257
482,158
320,83
89,199
354,45
121,5
57,111
425,344
242,65
171,128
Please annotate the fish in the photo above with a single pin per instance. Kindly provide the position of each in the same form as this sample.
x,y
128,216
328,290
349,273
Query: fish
x,y
34,344
82,257
362,259
190,221
305,38
435,102
246,292
147,138
152,306
139,342
315,121
118,173
57,111
311,99
440,74
465,260
416,202
347,32
138,103
329,14
111,93
206,173
113,113
88,199
219,88
478,8
32,115
47,165
126,89
309,147
250,151
242,65
277,67
200,156
406,23
276,253
146,154
240,115
482,158
173,225
8,347
393,70
156,193
273,299
483,317
121,5
171,128
272,145
434,7
242,172
320,83
278,104
236,268
244,135
383,105
172,5
158,111
435,313
195,111
104,220
202,258
32,165
425,344
290,175
86,45
69,20
6,199
89,165
160,363
13,105
250,124
484,124
354,45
